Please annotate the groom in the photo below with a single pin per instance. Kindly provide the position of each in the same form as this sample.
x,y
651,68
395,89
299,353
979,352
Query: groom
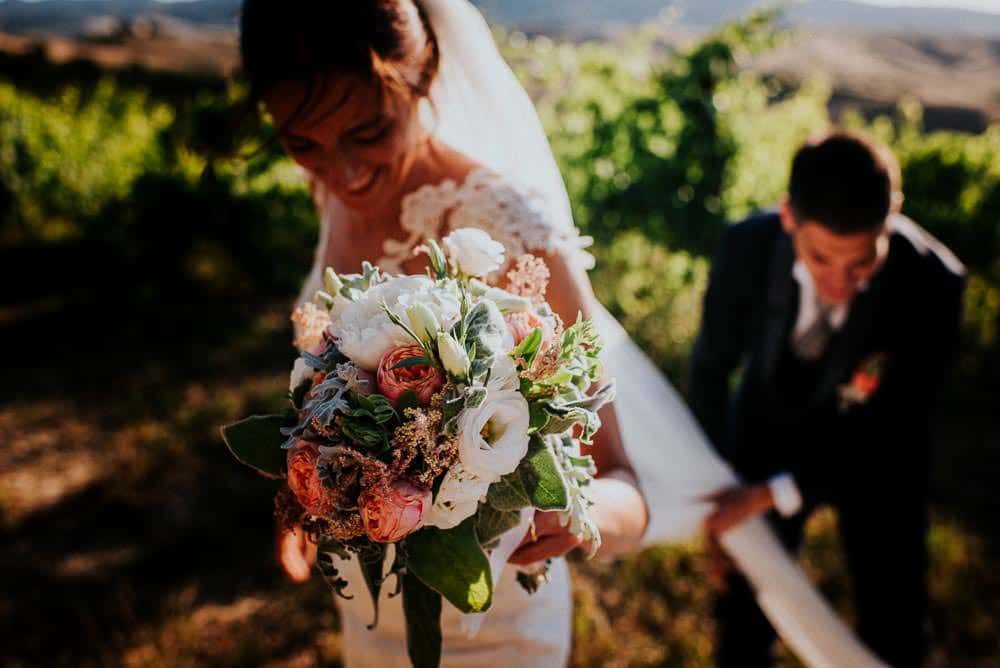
x,y
844,317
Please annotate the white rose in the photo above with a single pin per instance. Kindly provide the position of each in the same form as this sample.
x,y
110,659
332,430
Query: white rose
x,y
457,499
365,332
300,371
473,251
493,438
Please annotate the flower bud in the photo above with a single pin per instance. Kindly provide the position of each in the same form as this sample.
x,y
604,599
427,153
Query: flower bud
x,y
332,281
453,356
423,322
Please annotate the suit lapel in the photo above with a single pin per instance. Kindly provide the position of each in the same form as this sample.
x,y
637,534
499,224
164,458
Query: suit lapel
x,y
847,347
782,303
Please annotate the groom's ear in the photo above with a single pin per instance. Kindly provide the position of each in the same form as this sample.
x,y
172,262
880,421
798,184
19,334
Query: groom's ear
x,y
786,215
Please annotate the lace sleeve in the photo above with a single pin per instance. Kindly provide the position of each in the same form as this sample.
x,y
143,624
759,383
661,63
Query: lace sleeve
x,y
515,216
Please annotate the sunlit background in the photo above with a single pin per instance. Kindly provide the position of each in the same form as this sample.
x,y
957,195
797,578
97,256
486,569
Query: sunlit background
x,y
148,258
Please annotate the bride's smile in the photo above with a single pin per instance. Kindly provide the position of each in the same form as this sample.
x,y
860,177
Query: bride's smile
x,y
360,138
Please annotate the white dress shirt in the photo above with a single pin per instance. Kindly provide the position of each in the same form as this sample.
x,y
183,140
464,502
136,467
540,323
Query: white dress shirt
x,y
784,491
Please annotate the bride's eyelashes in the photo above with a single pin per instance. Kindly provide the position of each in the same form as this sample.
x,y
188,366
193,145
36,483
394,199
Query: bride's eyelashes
x,y
371,133
299,145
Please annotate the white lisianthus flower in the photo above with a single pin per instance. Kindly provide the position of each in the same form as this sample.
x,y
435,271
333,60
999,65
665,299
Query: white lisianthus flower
x,y
300,371
365,333
453,356
457,499
473,251
493,437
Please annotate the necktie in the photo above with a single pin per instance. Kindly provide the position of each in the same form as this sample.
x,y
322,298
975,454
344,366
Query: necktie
x,y
811,343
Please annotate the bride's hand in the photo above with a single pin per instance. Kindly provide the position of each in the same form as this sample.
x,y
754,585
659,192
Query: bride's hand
x,y
547,540
296,554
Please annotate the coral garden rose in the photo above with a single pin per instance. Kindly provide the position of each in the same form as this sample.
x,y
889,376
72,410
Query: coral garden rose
x,y
303,478
391,516
423,379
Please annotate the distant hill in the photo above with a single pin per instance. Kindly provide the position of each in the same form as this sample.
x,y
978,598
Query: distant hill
x,y
953,72
707,13
69,16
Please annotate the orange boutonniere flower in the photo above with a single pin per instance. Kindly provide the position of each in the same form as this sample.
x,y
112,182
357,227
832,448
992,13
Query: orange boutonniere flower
x,y
865,381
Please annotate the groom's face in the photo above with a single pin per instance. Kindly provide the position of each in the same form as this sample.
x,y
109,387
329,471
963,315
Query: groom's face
x,y
838,263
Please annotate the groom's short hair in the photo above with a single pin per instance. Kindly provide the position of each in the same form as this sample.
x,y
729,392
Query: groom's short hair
x,y
843,181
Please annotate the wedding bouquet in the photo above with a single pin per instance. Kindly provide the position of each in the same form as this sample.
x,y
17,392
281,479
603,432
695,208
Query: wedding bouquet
x,y
436,413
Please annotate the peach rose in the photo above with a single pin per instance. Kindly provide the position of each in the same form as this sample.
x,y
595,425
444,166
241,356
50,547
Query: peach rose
x,y
389,517
303,478
524,323
423,379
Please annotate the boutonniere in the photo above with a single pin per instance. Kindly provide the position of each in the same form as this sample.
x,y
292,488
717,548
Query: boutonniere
x,y
865,382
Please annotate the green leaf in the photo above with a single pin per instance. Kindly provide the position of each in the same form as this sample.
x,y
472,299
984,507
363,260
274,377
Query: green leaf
x,y
539,417
484,330
422,609
491,522
452,563
407,399
256,441
413,361
299,394
376,406
542,477
528,348
508,493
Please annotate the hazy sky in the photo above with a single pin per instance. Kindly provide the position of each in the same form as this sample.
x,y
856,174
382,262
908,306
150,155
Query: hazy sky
x,y
982,5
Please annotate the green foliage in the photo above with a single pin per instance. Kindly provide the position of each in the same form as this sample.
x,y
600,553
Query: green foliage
x,y
107,177
536,482
452,563
422,608
256,441
661,148
491,523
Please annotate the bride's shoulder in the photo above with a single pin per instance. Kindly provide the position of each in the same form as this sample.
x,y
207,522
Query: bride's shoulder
x,y
510,211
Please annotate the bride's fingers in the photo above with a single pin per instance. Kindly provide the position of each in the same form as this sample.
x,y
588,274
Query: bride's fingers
x,y
545,547
295,555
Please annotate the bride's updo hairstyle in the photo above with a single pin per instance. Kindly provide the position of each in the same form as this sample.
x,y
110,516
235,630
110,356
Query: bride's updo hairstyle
x,y
387,42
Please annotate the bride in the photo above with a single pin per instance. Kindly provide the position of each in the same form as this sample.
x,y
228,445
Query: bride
x,y
409,124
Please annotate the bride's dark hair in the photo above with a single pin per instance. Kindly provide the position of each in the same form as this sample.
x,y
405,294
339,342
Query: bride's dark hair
x,y
307,40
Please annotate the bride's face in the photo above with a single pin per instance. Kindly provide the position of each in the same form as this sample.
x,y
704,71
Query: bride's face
x,y
358,138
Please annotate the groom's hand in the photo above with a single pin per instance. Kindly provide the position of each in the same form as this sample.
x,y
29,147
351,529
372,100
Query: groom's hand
x,y
735,505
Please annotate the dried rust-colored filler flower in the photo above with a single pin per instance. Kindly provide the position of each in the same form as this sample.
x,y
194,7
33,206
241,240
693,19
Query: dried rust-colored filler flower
x,y
420,435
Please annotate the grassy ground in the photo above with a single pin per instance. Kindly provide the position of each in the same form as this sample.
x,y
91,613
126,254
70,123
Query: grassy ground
x,y
129,536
